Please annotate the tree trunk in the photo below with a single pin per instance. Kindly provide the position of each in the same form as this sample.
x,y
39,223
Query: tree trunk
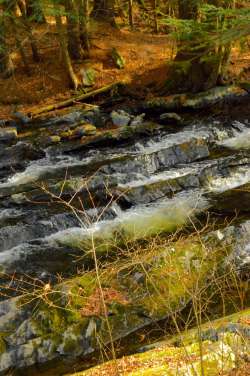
x,y
156,26
104,10
28,28
34,11
74,42
190,71
84,26
130,13
65,53
6,64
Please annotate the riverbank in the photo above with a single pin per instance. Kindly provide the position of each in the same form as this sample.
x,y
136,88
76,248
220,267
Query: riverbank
x,y
146,58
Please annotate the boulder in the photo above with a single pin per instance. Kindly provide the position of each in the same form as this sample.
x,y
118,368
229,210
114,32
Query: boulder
x,y
117,58
20,117
53,139
88,76
66,321
87,130
170,118
220,94
137,120
224,346
8,135
120,118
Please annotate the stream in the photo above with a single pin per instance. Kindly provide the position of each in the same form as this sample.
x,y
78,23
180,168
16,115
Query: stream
x,y
56,199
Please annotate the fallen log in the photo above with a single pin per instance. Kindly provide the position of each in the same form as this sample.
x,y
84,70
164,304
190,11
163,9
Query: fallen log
x,y
71,101
199,101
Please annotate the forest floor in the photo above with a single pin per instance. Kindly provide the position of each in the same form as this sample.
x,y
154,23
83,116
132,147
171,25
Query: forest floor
x,y
146,58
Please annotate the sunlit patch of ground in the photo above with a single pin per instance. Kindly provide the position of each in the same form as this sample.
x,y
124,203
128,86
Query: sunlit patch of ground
x,y
146,56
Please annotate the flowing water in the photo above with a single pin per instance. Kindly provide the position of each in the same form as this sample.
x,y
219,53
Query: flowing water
x,y
142,188
55,201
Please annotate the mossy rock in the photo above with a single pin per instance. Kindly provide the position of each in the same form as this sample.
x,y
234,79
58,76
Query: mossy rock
x,y
117,58
193,356
70,319
197,101
88,76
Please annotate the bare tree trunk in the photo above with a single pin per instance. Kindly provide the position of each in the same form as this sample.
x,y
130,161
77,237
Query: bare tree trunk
x,y
84,26
6,64
131,14
190,71
74,42
156,26
104,11
34,11
65,53
29,30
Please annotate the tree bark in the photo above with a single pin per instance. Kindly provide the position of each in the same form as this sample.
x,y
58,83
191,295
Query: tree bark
x,y
84,26
131,13
34,11
156,26
190,71
27,26
65,53
74,42
6,64
104,10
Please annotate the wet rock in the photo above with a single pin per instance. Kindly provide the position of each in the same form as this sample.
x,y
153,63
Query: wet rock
x,y
197,101
222,348
241,141
237,239
66,134
137,120
86,130
17,157
120,118
170,118
153,188
89,113
77,329
54,139
20,117
240,257
79,131
8,135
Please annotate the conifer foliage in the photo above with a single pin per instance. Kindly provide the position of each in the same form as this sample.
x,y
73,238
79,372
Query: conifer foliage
x,y
204,30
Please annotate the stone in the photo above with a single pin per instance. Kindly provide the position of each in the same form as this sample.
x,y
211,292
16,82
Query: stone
x,y
67,134
239,142
118,59
120,118
87,130
170,117
19,116
8,135
79,131
219,94
88,76
137,120
54,139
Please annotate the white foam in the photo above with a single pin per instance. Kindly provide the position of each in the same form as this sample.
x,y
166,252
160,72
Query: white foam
x,y
240,141
136,223
239,177
157,178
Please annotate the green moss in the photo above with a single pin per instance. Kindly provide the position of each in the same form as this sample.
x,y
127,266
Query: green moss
x,y
70,344
167,360
168,276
